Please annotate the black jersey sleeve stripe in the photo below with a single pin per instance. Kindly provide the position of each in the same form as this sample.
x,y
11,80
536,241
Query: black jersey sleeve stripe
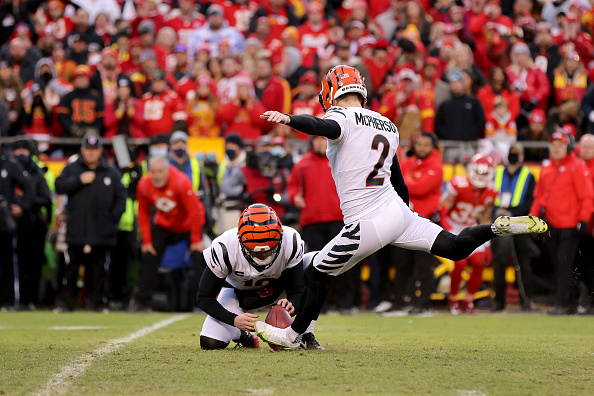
x,y
226,257
295,246
216,258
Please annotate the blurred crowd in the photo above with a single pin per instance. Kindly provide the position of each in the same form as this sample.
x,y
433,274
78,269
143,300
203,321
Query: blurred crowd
x,y
490,72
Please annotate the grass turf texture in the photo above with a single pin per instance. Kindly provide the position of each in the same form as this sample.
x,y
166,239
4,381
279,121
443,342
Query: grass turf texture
x,y
366,354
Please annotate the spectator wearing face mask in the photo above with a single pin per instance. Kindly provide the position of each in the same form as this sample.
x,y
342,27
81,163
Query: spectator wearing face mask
x,y
158,147
231,183
180,158
41,99
515,185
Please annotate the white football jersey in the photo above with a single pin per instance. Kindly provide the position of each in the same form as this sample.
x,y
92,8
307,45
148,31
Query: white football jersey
x,y
361,159
225,259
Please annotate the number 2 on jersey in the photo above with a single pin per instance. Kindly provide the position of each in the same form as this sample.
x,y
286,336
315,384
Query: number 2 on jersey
x,y
372,180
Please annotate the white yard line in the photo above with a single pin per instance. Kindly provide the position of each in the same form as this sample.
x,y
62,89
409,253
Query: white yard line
x,y
77,328
59,383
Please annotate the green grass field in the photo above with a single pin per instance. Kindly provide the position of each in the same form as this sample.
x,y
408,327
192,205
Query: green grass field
x,y
507,354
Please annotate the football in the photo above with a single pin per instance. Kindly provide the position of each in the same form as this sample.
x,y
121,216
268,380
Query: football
x,y
278,317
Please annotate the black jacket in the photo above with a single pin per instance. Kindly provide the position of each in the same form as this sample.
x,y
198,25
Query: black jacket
x,y
93,210
42,197
460,118
12,175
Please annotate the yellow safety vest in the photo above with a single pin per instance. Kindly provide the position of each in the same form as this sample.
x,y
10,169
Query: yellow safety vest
x,y
127,219
519,188
195,166
221,172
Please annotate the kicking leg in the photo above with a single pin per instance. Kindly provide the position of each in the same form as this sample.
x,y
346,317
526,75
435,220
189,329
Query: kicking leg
x,y
458,247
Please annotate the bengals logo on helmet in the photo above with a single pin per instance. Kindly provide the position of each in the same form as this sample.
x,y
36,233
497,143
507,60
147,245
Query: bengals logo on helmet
x,y
340,80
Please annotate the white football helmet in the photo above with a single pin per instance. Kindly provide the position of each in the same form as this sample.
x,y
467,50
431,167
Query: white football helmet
x,y
481,170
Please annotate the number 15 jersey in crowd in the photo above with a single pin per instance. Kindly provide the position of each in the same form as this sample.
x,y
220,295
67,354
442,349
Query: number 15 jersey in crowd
x,y
361,159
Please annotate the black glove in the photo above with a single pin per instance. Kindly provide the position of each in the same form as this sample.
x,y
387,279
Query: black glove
x,y
582,228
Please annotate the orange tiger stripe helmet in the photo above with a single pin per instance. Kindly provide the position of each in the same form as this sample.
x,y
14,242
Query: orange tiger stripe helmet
x,y
260,235
341,80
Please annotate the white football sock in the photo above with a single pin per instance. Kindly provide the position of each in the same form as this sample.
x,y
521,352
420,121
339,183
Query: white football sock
x,y
310,328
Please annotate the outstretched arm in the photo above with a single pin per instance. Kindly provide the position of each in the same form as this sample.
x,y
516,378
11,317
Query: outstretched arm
x,y
305,123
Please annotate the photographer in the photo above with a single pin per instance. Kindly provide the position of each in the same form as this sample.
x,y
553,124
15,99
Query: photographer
x,y
12,207
266,173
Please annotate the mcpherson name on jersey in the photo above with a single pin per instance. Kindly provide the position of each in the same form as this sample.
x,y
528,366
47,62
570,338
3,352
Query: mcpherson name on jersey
x,y
373,122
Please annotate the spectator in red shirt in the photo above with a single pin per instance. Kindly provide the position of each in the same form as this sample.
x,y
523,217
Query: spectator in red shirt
x,y
41,104
570,81
124,115
239,12
242,115
273,91
527,80
269,42
280,13
571,33
185,20
427,93
313,34
133,65
498,86
163,110
563,196
227,87
307,101
148,10
484,26
178,215
423,175
380,64
59,24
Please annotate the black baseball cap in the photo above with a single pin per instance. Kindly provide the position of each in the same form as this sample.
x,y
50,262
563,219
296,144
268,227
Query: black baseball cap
x,y
92,141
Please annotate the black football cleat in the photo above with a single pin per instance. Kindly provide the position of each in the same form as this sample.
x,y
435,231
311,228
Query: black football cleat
x,y
247,340
309,342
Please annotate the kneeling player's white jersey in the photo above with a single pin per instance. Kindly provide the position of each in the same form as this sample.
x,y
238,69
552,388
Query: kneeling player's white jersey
x,y
225,259
361,159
